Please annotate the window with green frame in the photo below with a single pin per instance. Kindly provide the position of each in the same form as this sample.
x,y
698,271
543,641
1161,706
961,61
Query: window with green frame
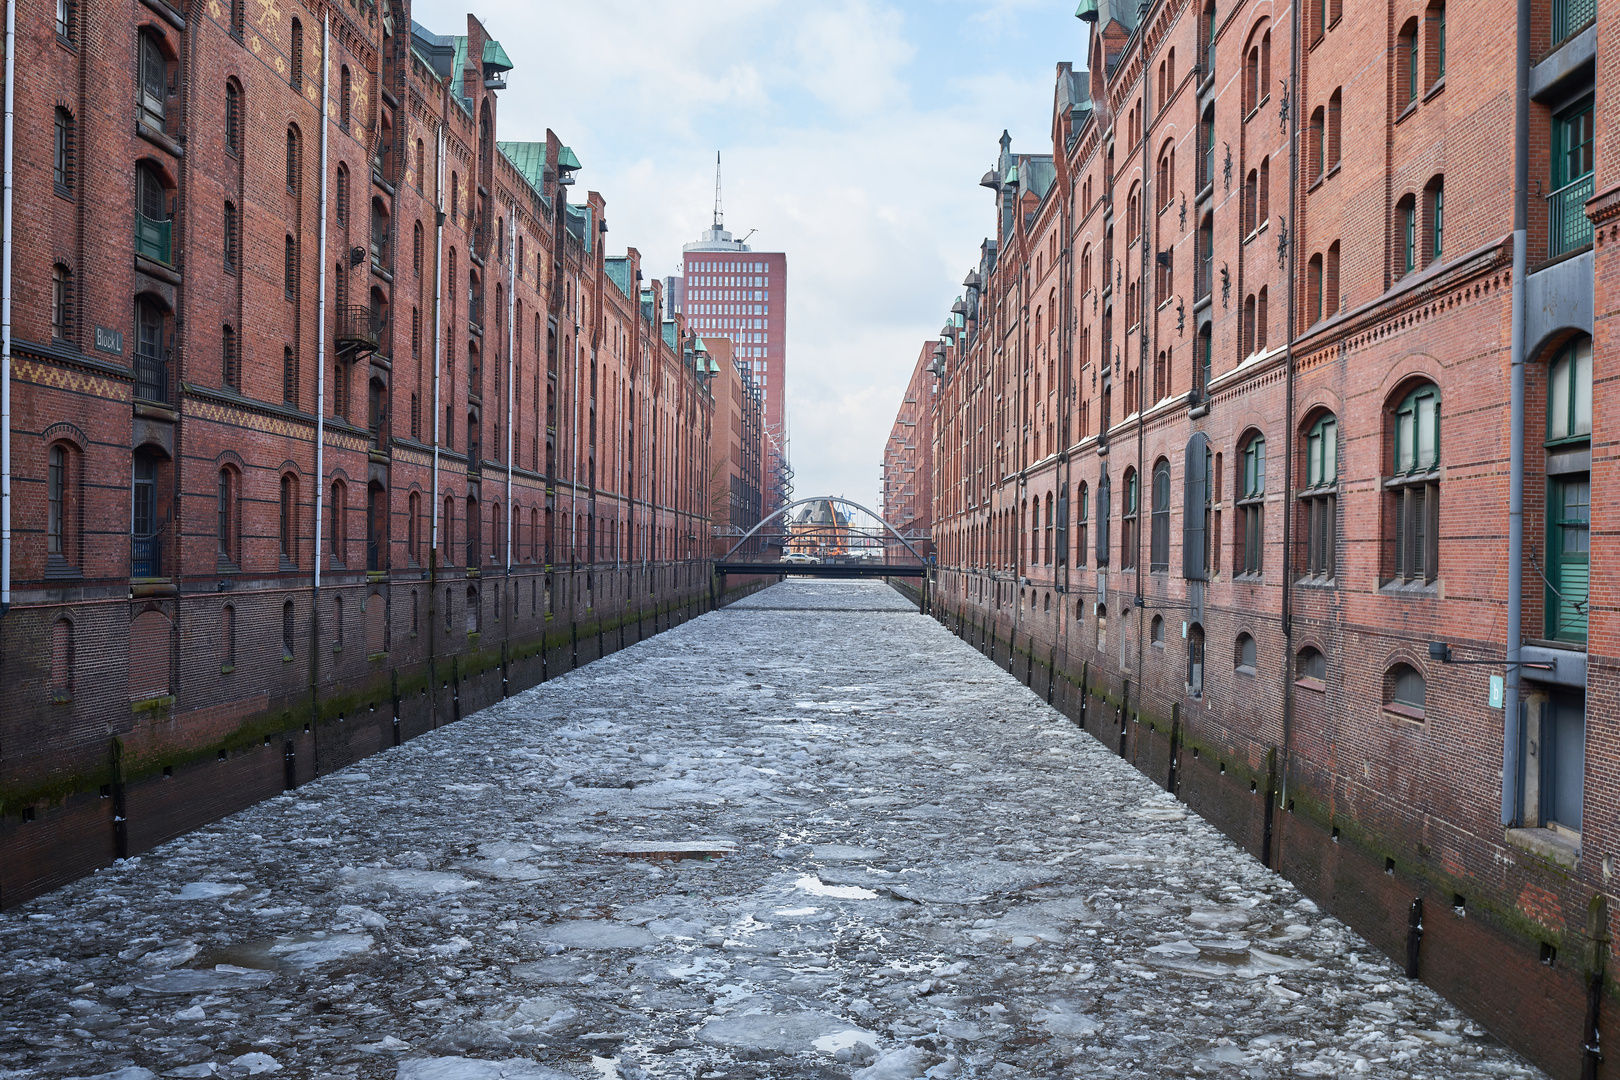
x,y
1083,519
1413,490
1406,219
1251,508
1569,525
1319,500
1568,227
1413,64
1569,495
1569,393
1437,219
1128,519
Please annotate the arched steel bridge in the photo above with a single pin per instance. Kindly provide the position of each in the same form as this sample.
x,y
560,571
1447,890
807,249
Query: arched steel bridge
x,y
916,565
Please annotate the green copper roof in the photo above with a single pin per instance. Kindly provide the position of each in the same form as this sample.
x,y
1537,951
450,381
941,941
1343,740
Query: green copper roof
x,y
619,271
495,57
1087,10
528,158
567,160
669,332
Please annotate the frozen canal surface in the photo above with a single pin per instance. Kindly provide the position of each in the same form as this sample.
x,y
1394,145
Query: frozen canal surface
x,y
811,835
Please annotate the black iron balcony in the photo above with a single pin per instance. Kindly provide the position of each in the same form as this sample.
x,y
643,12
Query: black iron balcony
x,y
359,329
146,556
152,378
1568,227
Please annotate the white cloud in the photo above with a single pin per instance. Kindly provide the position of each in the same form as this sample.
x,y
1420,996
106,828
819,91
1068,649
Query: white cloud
x,y
854,134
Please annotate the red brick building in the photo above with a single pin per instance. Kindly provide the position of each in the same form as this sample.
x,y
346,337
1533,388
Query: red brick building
x,y
1261,228
908,461
324,431
736,452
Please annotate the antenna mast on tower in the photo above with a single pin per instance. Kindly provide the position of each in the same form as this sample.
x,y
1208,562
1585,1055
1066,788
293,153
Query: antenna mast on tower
x,y
719,214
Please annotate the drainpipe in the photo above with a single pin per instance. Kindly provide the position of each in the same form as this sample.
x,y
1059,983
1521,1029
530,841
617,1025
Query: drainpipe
x,y
320,325
438,298
5,312
511,361
1288,458
1512,812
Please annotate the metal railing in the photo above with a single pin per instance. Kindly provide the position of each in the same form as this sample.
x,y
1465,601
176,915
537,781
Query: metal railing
x,y
154,239
146,556
151,378
1569,16
1568,227
359,326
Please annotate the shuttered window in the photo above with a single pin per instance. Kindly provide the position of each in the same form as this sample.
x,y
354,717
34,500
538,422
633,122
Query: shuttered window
x,y
1569,523
1413,491
1195,510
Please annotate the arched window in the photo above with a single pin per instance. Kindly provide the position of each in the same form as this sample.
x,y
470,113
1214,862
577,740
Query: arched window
x,y
61,302
154,79
1102,628
1104,509
151,352
379,234
1046,537
62,170
1251,508
297,74
1128,535
1311,666
1405,692
295,162
1412,494
1156,632
1313,290
62,661
1160,554
1435,27
227,639
289,375
154,229
1407,235
1082,523
1251,195
287,636
233,117
231,239
1244,653
1434,211
447,520
1195,661
1262,319
62,507
413,530
288,521
337,513
1408,66
227,515
1334,118
1319,499
1316,147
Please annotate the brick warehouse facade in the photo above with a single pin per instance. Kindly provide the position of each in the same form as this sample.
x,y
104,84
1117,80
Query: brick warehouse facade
x,y
1326,272
257,536
908,462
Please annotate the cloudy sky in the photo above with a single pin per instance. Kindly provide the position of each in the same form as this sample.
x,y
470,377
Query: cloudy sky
x,y
854,134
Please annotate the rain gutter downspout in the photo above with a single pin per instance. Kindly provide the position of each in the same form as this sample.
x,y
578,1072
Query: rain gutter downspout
x,y
320,407
1512,811
1288,459
5,312
320,312
438,300
511,360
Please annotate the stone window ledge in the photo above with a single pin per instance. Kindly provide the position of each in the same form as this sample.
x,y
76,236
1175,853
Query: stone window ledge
x,y
1558,846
